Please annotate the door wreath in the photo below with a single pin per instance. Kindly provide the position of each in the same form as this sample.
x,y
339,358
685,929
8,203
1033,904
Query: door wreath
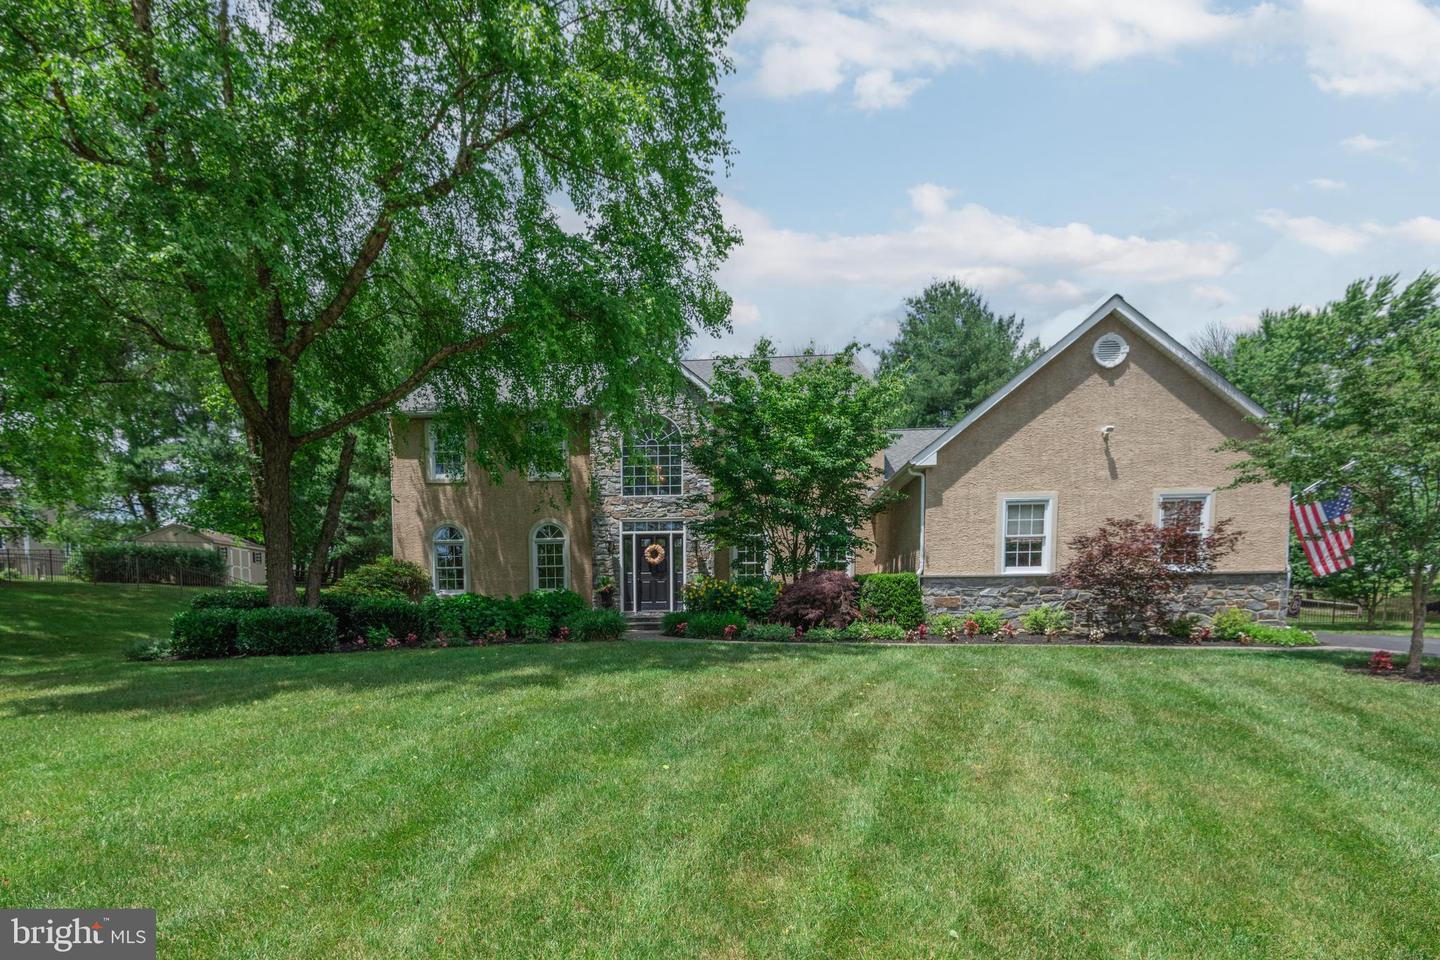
x,y
655,554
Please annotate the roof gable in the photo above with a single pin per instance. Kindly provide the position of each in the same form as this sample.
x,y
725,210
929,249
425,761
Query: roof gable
x,y
1135,321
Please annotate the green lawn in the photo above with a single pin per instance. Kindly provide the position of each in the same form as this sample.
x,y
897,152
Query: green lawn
x,y
703,800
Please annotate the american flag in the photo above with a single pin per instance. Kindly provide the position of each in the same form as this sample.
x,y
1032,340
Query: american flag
x,y
1325,532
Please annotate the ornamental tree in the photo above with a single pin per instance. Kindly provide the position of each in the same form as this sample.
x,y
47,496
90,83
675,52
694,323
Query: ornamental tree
x,y
1135,573
332,203
1353,395
792,459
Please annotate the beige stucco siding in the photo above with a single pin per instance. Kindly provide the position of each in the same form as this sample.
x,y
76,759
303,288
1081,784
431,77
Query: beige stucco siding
x,y
1045,438
497,519
897,532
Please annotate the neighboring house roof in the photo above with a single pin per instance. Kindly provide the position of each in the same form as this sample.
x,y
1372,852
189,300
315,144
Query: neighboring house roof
x,y
909,442
701,370
1134,320
216,537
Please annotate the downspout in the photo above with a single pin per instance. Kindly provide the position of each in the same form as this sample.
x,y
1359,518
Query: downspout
x,y
920,562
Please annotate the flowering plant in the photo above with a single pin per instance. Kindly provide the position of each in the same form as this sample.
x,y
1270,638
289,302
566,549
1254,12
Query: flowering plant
x,y
1381,661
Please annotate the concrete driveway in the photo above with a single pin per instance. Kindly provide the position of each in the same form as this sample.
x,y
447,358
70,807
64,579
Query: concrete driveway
x,y
1374,641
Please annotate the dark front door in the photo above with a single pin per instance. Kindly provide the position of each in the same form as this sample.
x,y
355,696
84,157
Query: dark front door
x,y
654,570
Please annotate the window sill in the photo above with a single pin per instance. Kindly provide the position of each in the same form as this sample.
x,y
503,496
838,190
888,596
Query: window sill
x,y
1027,572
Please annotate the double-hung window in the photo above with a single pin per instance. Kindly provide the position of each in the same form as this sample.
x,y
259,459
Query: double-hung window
x,y
1188,513
748,559
444,452
1027,534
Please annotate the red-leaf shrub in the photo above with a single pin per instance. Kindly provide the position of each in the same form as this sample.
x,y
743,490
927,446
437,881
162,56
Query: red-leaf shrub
x,y
1122,569
820,598
1381,662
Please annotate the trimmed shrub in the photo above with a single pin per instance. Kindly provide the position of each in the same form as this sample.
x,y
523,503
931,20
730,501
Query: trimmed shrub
x,y
752,597
820,598
1270,636
878,632
204,633
989,621
386,577
342,607
1045,619
893,598
553,605
591,625
284,631
234,598
399,618
147,563
1184,626
768,632
1231,622
534,629
701,624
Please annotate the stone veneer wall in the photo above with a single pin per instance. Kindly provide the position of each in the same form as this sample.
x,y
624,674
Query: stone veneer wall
x,y
1261,593
612,506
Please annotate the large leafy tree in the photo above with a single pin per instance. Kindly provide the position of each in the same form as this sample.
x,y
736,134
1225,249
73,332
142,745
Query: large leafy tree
x,y
334,202
1353,394
954,352
792,457
1378,573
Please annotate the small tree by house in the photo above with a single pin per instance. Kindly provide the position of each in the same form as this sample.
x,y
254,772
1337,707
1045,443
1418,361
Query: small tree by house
x,y
792,458
1353,396
1133,574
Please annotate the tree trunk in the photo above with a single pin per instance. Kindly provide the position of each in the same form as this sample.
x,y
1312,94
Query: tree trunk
x,y
315,576
275,461
1419,598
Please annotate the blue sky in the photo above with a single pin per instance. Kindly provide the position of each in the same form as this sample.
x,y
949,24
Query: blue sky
x,y
1205,160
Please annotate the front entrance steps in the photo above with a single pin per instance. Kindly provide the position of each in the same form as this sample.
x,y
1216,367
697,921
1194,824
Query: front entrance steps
x,y
648,622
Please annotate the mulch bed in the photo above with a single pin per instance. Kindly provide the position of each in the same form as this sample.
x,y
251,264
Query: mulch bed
x,y
1427,675
1019,640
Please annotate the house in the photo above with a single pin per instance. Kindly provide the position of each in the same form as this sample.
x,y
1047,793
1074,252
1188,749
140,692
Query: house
x,y
1116,420
244,557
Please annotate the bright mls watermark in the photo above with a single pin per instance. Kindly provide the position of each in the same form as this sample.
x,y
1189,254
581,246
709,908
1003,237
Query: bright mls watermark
x,y
112,934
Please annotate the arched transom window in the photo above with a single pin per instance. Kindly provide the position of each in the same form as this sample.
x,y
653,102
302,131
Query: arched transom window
x,y
650,465
447,559
549,558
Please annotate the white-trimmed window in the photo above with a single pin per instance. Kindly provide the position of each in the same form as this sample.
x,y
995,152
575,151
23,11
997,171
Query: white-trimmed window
x,y
444,452
447,559
650,465
1189,510
749,559
549,557
834,555
1027,534
554,467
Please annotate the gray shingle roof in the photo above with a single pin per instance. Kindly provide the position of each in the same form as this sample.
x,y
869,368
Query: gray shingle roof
x,y
910,442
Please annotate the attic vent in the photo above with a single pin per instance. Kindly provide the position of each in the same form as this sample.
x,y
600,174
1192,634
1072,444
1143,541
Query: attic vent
x,y
1110,350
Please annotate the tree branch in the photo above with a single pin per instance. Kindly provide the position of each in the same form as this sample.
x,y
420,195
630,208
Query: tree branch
x,y
407,386
315,576
379,235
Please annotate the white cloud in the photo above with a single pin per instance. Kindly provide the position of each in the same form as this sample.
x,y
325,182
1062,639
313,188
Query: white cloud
x,y
1341,238
878,89
887,48
1212,294
1374,47
1362,143
1331,238
968,241
1325,183
744,314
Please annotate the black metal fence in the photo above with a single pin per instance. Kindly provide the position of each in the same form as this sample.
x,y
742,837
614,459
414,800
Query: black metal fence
x,y
34,564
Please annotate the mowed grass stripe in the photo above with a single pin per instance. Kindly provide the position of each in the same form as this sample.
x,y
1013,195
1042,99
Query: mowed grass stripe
x,y
660,800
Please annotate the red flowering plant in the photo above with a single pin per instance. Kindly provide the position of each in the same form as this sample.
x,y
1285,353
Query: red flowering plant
x,y
729,631
971,628
564,635
1134,573
1381,661
413,641
922,631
